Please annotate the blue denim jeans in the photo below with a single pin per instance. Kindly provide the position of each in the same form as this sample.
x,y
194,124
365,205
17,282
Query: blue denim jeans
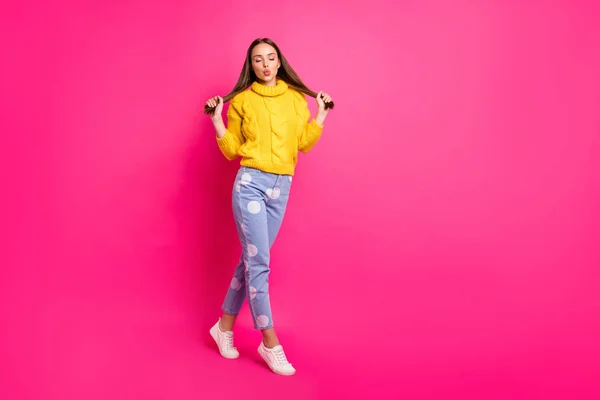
x,y
259,200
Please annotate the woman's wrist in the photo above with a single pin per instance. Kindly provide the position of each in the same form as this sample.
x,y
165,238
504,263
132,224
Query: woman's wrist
x,y
320,117
219,126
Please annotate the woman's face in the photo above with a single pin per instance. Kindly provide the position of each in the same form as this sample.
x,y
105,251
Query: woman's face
x,y
265,63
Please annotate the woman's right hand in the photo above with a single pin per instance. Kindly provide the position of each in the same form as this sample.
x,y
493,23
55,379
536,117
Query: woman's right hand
x,y
217,102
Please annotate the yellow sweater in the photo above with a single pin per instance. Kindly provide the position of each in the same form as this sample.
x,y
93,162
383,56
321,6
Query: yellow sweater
x,y
266,126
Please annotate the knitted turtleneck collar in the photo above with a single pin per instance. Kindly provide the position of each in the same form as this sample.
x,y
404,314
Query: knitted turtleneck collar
x,y
270,91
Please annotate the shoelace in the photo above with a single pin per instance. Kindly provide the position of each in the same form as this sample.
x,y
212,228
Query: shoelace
x,y
228,342
280,356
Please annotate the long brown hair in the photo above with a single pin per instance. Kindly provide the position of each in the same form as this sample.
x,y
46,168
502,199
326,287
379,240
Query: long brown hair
x,y
286,73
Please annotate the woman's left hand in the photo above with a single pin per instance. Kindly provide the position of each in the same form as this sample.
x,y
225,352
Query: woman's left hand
x,y
321,101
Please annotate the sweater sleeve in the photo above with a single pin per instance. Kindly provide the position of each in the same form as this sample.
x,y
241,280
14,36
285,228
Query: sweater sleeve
x,y
311,131
233,139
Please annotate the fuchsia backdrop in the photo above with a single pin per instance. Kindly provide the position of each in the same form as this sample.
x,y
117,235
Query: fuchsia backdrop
x,y
441,241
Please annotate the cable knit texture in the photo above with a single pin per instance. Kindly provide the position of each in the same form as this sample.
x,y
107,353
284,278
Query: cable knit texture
x,y
267,126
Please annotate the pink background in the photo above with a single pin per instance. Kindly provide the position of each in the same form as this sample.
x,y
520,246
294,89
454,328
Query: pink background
x,y
442,240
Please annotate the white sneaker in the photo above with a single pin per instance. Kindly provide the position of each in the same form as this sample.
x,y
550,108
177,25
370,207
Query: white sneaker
x,y
225,341
276,360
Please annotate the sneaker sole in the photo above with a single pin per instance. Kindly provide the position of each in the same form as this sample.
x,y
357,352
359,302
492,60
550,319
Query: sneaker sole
x,y
272,369
213,333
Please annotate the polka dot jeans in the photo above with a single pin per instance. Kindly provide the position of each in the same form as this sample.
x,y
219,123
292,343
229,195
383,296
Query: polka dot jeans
x,y
259,201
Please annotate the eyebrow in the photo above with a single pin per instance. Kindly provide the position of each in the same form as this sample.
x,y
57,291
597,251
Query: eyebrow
x,y
258,55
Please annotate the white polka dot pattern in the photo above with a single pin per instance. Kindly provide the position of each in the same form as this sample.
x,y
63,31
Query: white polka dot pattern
x,y
246,179
262,321
254,207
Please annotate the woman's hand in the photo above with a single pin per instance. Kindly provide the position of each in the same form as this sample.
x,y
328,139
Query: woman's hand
x,y
321,101
217,102
322,112
217,118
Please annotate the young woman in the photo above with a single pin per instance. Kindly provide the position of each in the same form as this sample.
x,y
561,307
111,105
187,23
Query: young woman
x,y
268,122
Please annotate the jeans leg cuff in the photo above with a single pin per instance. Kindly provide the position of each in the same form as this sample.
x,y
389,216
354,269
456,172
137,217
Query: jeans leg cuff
x,y
226,311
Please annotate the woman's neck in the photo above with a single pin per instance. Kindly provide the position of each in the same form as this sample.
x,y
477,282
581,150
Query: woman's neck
x,y
270,83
